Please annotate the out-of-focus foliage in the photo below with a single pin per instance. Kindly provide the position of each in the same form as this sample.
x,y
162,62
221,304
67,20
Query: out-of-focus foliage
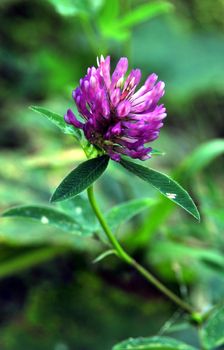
x,y
68,310
212,334
46,46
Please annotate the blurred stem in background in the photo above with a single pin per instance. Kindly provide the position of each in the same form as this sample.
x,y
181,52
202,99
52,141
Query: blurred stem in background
x,y
96,42
89,32
127,43
29,259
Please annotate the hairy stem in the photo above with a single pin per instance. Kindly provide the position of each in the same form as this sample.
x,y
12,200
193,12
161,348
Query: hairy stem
x,y
129,260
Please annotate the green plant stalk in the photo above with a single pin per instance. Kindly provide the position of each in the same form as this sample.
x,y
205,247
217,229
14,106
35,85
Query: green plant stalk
x,y
129,260
96,42
90,34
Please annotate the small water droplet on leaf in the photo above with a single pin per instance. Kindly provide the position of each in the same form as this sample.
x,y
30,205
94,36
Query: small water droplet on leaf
x,y
78,210
44,220
171,195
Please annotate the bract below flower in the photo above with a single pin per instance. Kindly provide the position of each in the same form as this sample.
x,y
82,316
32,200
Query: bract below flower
x,y
117,118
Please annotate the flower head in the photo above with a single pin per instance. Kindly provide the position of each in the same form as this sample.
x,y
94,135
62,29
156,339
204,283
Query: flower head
x,y
117,119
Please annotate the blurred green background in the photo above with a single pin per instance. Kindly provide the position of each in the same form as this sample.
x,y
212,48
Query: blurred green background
x,y
52,297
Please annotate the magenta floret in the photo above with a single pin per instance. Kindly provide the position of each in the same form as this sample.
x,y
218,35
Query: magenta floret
x,y
117,119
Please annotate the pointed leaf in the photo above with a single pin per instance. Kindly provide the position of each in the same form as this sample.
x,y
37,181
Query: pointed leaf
x,y
46,216
58,120
153,343
201,157
125,211
104,255
80,178
168,187
156,152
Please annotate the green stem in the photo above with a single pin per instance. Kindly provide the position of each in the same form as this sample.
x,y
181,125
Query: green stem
x,y
96,42
129,260
120,251
162,288
90,34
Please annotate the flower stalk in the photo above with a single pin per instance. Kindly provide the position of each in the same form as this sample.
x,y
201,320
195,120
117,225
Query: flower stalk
x,y
123,255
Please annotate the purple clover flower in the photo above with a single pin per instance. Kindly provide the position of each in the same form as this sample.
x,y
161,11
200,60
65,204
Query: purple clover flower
x,y
117,119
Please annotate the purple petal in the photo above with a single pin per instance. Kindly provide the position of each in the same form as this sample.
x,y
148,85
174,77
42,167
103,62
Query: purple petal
x,y
149,84
70,118
105,71
119,71
133,79
115,97
116,118
123,108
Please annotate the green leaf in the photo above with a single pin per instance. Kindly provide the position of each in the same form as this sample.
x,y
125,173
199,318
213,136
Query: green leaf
x,y
116,34
109,13
212,333
168,187
153,343
46,216
58,120
76,7
156,152
201,157
80,208
104,255
28,259
168,251
143,13
178,327
80,178
125,211
107,17
119,28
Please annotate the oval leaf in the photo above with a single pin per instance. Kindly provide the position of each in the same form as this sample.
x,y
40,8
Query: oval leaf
x,y
153,343
168,187
58,120
212,333
80,178
46,216
125,211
